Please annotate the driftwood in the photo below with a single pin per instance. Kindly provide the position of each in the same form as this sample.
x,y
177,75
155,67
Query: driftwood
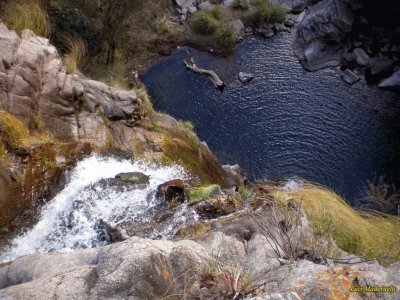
x,y
191,65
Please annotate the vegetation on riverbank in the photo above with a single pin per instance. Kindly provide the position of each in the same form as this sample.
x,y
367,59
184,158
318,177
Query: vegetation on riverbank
x,y
107,39
369,234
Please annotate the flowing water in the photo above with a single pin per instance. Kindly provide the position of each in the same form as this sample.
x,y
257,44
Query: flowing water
x,y
70,220
286,122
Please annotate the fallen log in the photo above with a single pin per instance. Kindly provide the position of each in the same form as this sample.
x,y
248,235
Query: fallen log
x,y
191,65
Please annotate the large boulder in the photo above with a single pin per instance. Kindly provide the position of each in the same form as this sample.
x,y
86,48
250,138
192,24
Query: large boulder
x,y
322,35
379,68
172,191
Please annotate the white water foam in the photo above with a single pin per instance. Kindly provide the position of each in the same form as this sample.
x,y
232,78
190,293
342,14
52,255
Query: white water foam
x,y
293,184
68,221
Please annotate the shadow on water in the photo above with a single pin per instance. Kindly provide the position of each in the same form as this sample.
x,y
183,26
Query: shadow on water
x,y
286,122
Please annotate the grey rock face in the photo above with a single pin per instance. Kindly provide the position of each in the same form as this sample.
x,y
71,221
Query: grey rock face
x,y
35,84
185,3
321,38
206,6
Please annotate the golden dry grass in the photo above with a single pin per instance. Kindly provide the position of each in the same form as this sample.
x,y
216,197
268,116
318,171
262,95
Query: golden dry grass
x,y
76,53
13,131
371,235
31,15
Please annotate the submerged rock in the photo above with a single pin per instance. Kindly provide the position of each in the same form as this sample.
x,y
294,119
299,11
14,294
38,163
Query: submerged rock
x,y
350,77
134,178
245,77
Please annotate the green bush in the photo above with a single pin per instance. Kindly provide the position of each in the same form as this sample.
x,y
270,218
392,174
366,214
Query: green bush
x,y
225,37
204,22
265,12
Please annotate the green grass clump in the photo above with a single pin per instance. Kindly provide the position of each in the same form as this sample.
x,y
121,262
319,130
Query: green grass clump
x,y
225,36
205,22
28,15
265,13
13,132
244,195
370,235
203,193
189,134
76,53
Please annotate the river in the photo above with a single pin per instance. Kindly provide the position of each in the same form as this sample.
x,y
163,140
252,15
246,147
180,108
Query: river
x,y
287,122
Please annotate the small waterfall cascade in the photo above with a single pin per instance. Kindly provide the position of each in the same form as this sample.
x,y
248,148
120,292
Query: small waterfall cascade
x,y
71,219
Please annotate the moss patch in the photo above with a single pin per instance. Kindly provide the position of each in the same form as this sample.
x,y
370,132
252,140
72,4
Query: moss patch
x,y
202,193
370,235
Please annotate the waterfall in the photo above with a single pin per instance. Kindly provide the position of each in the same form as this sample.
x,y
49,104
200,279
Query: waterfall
x,y
69,220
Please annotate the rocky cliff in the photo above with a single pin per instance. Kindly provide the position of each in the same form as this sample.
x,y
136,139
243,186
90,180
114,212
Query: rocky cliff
x,y
360,36
62,117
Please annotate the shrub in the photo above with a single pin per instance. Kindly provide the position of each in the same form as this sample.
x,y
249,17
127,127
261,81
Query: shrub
x,y
28,15
225,37
202,193
204,22
265,12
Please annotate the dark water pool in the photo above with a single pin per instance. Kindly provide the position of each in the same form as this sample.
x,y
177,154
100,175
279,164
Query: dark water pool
x,y
287,122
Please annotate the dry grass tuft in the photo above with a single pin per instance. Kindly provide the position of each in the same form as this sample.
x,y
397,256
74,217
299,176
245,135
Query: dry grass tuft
x,y
76,53
13,131
28,15
371,235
